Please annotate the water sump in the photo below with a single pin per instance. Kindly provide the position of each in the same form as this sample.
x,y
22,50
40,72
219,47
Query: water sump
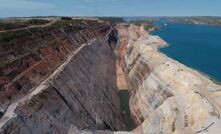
x,y
125,110
124,96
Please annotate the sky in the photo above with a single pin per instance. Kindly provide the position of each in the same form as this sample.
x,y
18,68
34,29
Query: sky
x,y
22,8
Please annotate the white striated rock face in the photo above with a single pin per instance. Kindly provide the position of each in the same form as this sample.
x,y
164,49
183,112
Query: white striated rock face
x,y
166,96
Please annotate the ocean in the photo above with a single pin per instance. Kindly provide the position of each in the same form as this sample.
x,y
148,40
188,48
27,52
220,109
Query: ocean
x,y
196,46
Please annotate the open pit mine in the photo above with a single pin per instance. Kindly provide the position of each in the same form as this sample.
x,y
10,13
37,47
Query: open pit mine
x,y
66,78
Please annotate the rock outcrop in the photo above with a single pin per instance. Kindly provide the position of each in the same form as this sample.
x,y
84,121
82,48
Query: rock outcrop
x,y
67,82
166,96
28,56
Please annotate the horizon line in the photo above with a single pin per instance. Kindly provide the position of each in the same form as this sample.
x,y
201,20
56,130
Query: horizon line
x,y
45,16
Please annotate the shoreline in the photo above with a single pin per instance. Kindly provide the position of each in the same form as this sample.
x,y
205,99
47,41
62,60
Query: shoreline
x,y
215,81
152,75
207,76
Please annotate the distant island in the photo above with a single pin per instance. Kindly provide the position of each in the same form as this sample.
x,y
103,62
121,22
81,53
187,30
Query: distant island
x,y
204,20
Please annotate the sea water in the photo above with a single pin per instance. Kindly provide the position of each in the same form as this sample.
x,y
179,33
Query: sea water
x,y
197,46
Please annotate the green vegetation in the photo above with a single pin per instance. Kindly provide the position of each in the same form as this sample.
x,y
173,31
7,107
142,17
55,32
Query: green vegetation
x,y
22,42
141,22
21,24
36,22
9,35
112,19
67,25
10,25
66,18
62,23
77,24
148,25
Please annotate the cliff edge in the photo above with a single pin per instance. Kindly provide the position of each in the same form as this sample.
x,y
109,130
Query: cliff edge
x,y
166,96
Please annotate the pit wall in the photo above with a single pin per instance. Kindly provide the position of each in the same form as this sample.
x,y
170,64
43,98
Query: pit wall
x,y
29,56
77,92
81,94
165,96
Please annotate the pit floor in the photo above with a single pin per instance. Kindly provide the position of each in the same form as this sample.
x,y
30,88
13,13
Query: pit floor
x,y
125,110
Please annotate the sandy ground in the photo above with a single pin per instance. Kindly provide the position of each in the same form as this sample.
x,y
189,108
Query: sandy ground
x,y
121,80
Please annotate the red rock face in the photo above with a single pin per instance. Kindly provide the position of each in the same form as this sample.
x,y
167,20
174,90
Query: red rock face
x,y
30,56
65,81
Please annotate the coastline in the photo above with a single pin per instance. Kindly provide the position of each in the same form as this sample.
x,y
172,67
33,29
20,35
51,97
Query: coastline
x,y
152,75
214,80
195,69
209,77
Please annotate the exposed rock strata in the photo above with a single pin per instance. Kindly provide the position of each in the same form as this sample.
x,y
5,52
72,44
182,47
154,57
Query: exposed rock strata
x,y
31,55
81,93
166,96
64,81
